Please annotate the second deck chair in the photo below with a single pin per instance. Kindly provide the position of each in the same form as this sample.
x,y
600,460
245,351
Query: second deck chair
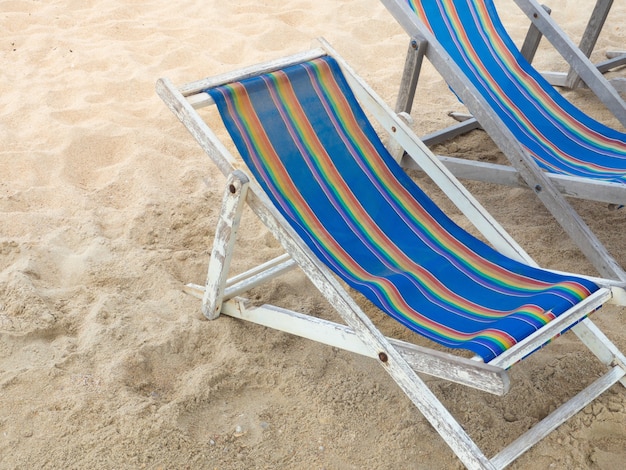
x,y
553,146
576,56
344,210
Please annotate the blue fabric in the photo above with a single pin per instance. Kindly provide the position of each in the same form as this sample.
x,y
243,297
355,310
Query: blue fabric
x,y
358,211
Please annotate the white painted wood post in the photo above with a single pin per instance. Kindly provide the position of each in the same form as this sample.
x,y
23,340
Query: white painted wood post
x,y
224,242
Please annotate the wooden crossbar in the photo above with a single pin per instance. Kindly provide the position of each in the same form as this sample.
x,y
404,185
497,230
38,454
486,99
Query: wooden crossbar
x,y
468,372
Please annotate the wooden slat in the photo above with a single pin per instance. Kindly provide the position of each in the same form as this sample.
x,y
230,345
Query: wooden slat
x,y
617,61
450,132
597,342
590,36
279,261
532,40
552,329
558,417
571,186
243,283
223,243
251,71
200,100
467,372
410,75
578,61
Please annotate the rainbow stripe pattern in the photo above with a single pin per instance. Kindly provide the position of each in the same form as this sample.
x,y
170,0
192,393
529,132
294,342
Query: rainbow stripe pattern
x,y
561,138
309,145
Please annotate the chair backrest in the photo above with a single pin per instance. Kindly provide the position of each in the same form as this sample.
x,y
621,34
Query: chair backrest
x,y
561,137
311,148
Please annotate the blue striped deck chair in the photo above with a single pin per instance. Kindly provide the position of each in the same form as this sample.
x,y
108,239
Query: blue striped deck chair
x,y
553,147
577,56
346,213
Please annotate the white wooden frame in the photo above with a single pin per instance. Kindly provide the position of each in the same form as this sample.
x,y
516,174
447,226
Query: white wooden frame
x,y
549,189
401,360
555,34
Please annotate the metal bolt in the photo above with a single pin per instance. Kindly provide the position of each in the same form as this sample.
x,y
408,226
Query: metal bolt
x,y
383,357
232,189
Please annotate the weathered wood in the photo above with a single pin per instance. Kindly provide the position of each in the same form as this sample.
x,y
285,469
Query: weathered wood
x,y
532,39
556,418
260,269
224,243
597,342
580,188
579,62
590,37
244,285
616,55
410,75
468,372
408,85
249,281
247,72
450,132
406,97
522,349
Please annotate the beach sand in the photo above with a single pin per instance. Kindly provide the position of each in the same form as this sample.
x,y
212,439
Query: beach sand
x,y
108,207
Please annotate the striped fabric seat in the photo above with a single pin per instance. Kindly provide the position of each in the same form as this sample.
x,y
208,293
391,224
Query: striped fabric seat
x,y
309,145
562,138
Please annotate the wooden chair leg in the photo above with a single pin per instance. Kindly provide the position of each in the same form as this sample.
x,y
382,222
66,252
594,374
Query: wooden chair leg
x,y
410,75
224,242
408,85
590,37
532,39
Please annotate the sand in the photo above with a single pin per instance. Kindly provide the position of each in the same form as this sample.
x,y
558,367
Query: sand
x,y
107,208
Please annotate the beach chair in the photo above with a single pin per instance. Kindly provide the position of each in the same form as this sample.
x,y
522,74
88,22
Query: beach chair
x,y
553,147
319,178
538,15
